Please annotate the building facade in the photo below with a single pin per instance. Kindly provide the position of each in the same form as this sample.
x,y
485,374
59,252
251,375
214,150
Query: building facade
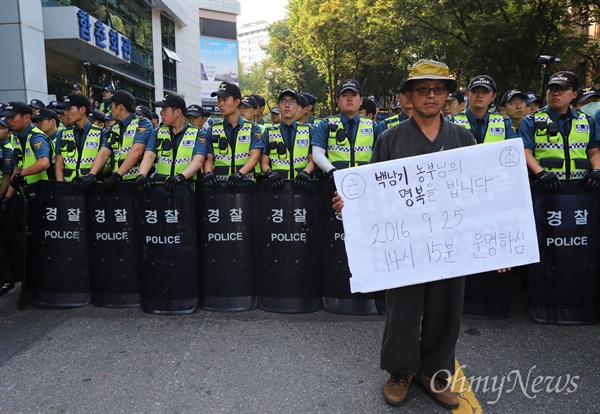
x,y
252,38
147,47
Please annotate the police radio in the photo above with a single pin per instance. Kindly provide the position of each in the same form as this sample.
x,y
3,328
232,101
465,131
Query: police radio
x,y
223,144
340,135
281,149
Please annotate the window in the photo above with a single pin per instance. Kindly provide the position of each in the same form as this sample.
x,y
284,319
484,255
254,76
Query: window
x,y
218,28
167,31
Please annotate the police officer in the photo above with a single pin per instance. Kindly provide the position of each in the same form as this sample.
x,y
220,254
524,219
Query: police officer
x,y
344,140
76,88
532,102
559,140
485,125
260,111
197,116
179,148
288,154
236,143
47,120
454,103
107,92
97,118
125,142
143,112
513,106
368,109
248,109
302,112
77,145
587,101
405,113
33,150
275,115
7,165
310,113
6,152
36,105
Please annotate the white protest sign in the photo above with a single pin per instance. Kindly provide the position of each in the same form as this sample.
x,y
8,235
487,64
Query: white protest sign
x,y
435,216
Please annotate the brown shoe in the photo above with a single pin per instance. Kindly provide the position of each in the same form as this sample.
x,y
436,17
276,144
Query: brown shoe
x,y
441,392
395,390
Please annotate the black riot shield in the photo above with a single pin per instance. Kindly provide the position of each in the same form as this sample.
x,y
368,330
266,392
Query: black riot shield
x,y
337,297
226,238
61,273
168,264
112,246
562,288
288,269
487,295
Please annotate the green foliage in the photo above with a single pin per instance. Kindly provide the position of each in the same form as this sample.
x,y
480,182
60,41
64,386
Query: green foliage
x,y
323,42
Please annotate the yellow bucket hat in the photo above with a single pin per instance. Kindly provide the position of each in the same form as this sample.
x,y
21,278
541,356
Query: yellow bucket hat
x,y
429,69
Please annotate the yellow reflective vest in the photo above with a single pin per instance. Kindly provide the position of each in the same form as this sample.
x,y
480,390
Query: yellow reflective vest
x,y
28,159
79,163
495,128
172,161
228,160
294,160
564,157
121,144
343,155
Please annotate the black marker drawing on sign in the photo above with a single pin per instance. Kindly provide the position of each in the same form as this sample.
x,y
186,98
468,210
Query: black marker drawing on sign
x,y
353,186
510,157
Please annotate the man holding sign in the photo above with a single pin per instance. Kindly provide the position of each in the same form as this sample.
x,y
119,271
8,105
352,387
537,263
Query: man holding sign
x,y
423,320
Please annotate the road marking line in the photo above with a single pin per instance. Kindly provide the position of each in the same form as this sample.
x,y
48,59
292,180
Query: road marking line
x,y
468,400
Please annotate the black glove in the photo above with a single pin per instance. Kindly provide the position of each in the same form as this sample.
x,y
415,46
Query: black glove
x,y
5,203
274,179
143,183
173,182
83,183
591,181
301,180
210,180
17,181
550,181
234,179
330,172
110,182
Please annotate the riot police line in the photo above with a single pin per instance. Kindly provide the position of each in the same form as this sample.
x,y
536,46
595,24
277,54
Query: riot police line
x,y
280,250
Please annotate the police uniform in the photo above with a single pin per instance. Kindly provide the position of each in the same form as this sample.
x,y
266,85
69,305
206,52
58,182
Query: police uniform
x,y
175,151
231,146
392,121
355,149
78,148
492,127
288,148
121,138
29,146
544,132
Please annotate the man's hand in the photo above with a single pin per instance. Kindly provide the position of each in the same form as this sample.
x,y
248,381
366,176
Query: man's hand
x,y
234,179
301,180
338,204
173,182
550,182
274,179
17,181
83,183
110,182
210,180
591,181
143,183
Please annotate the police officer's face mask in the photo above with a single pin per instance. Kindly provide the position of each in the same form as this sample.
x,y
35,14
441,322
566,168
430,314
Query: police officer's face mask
x,y
591,108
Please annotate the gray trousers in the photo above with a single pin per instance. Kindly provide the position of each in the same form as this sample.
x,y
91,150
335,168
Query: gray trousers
x,y
412,345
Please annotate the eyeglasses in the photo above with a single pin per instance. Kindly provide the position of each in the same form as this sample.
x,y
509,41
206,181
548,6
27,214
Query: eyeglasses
x,y
288,101
560,89
438,90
